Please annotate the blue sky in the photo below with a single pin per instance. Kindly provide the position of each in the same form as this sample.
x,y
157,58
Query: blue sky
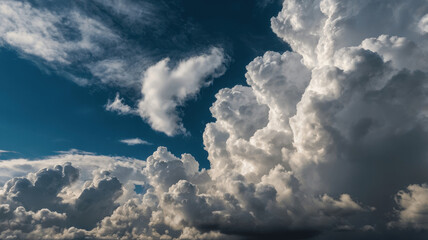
x,y
44,112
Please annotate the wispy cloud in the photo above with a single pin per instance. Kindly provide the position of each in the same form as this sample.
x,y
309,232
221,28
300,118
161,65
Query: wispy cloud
x,y
75,151
135,141
118,106
6,151
72,41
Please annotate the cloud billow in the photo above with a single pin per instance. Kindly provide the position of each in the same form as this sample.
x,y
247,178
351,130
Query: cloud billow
x,y
163,89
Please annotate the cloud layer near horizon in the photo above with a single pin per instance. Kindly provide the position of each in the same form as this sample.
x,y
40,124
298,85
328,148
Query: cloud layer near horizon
x,y
321,139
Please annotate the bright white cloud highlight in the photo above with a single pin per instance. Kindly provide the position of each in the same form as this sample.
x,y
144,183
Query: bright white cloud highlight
x,y
165,87
118,106
135,141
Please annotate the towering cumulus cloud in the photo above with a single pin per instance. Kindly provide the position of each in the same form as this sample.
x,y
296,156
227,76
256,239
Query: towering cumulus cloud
x,y
321,141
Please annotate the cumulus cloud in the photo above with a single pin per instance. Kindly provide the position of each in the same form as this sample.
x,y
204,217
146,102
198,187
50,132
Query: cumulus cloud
x,y
165,88
135,141
365,99
412,207
95,199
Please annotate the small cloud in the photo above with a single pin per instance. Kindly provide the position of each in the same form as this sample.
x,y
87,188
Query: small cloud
x,y
165,88
135,141
368,228
75,152
118,106
5,151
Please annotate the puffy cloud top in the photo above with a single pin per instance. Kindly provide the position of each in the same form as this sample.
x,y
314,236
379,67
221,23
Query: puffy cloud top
x,y
164,89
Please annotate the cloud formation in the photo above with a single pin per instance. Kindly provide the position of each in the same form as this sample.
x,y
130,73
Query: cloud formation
x,y
62,201
135,141
118,106
4,151
70,41
165,88
89,49
362,118
319,141
96,199
412,207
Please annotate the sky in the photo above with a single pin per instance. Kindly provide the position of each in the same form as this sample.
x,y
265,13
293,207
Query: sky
x,y
45,111
216,119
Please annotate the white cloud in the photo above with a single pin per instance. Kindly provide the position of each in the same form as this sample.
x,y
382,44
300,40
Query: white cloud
x,y
118,106
115,71
134,11
365,98
37,32
75,151
135,141
164,89
89,163
92,196
72,41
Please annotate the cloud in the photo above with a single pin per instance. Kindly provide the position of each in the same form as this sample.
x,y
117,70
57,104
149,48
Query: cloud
x,y
88,48
94,198
90,43
40,193
164,89
75,151
142,12
135,141
78,42
412,207
5,151
362,115
41,32
118,106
